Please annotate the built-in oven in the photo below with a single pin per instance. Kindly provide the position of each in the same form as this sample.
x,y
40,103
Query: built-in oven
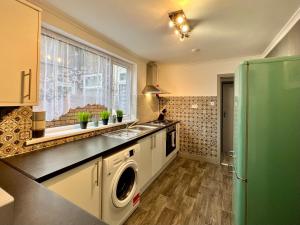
x,y
171,139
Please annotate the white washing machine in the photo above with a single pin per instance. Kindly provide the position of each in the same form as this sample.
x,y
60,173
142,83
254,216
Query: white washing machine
x,y
120,192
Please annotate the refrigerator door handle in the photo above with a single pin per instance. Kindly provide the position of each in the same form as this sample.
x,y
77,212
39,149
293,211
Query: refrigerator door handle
x,y
240,178
237,176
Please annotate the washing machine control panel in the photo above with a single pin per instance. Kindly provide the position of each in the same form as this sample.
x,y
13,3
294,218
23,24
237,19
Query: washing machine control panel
x,y
129,154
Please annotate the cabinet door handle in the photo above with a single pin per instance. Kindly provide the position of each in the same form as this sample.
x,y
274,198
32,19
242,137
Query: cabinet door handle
x,y
97,167
29,75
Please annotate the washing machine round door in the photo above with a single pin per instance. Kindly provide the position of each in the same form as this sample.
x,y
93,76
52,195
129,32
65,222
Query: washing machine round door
x,y
124,184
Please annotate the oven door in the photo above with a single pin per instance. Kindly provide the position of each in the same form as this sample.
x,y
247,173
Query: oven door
x,y
171,142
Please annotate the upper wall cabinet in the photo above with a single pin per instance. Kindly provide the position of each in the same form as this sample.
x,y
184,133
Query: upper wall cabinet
x,y
20,25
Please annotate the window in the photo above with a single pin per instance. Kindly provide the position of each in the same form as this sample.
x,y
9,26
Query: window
x,y
121,88
74,75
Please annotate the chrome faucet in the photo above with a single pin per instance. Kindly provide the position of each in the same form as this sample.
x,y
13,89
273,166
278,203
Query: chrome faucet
x,y
131,125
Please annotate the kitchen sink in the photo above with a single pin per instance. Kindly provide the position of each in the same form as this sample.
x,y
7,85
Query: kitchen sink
x,y
129,133
123,134
142,128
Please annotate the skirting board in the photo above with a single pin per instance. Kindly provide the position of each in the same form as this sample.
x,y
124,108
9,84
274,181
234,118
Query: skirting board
x,y
158,173
198,158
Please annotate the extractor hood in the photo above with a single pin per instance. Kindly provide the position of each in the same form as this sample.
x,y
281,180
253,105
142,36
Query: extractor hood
x,y
151,80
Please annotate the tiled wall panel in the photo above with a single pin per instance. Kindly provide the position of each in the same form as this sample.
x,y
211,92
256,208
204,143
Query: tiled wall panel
x,y
15,129
198,127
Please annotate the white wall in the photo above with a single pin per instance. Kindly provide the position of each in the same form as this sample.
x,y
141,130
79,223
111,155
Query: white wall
x,y
195,79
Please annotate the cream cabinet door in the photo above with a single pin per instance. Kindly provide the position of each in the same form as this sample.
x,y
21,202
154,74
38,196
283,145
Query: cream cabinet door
x,y
81,186
158,151
145,161
19,53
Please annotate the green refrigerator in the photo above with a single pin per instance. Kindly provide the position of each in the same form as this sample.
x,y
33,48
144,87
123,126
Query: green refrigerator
x,y
266,179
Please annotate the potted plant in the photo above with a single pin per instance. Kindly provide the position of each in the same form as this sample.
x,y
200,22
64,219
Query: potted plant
x,y
119,115
83,119
104,116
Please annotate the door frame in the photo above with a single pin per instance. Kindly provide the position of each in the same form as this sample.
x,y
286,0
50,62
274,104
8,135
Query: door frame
x,y
222,78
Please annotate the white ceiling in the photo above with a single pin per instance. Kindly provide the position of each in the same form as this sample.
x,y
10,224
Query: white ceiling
x,y
226,28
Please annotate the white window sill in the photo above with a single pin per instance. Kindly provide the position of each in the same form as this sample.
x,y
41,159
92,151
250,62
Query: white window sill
x,y
71,130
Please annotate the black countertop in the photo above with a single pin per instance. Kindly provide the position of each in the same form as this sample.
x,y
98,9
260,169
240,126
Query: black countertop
x,y
44,164
35,205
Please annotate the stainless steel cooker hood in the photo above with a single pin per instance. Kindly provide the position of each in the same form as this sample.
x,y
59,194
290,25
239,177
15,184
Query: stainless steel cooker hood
x,y
151,89
151,80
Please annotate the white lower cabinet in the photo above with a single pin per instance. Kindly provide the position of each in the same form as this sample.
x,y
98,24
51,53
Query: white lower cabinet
x,y
152,157
158,150
81,186
145,161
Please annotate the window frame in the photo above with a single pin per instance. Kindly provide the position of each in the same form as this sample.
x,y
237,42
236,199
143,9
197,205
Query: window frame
x,y
115,61
131,66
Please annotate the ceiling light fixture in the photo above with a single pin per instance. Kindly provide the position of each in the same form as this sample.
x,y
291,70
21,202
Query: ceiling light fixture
x,y
180,23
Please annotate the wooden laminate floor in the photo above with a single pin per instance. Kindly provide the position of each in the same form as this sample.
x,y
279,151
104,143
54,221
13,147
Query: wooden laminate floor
x,y
188,192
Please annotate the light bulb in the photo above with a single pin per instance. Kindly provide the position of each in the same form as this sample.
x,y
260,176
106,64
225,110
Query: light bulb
x,y
59,59
180,19
176,32
185,28
171,24
49,57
